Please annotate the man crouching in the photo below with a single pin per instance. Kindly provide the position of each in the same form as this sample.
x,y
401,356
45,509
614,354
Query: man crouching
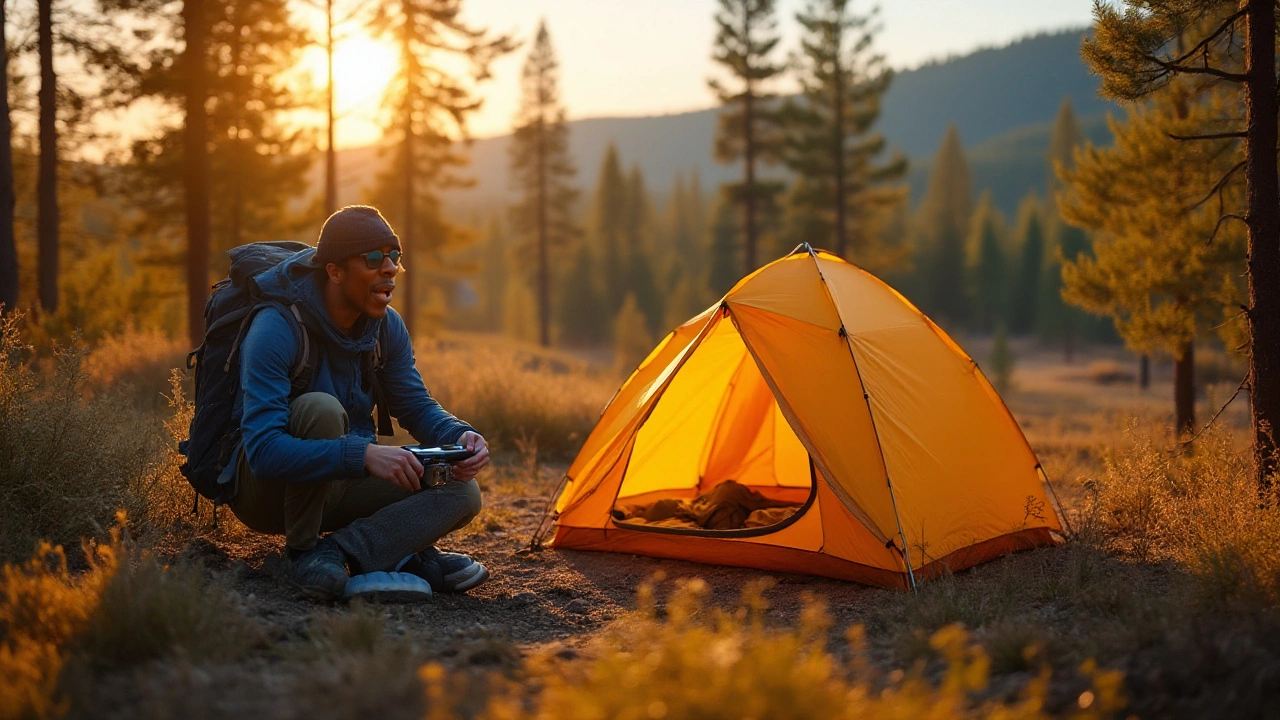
x,y
310,464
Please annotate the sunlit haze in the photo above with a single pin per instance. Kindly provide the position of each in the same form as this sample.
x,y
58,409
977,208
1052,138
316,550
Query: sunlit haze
x,y
644,58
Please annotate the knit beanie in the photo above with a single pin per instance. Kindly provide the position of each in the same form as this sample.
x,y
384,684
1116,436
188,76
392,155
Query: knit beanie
x,y
353,230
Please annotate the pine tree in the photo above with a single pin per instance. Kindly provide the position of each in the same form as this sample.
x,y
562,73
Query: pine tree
x,y
47,192
608,228
1024,302
725,250
990,289
1135,52
495,273
1152,271
579,308
428,108
632,340
8,239
750,124
944,214
543,172
1002,361
831,143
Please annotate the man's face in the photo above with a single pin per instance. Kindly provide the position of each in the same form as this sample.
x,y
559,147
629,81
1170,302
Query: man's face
x,y
364,289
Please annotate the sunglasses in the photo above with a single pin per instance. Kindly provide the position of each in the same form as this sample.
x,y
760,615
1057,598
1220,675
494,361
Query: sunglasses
x,y
373,259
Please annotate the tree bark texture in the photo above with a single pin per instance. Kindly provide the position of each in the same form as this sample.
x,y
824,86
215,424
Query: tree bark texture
x,y
1262,190
8,243
195,149
47,182
749,156
407,239
1184,390
1144,372
544,277
330,155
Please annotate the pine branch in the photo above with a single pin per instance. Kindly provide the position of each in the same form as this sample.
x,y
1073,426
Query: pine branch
x,y
1214,136
1218,186
1222,220
1229,23
1174,67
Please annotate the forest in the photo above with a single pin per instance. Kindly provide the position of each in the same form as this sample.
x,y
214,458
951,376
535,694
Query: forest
x,y
1090,217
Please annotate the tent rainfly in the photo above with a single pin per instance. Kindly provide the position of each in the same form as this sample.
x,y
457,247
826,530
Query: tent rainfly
x,y
821,389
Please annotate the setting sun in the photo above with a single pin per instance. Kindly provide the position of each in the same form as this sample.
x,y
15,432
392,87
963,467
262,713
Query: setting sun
x,y
362,67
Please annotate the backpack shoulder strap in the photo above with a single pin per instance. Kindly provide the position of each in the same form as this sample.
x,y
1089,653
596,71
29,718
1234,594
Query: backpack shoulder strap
x,y
303,371
376,362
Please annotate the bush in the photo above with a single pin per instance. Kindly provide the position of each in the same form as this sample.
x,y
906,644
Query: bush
x,y
137,362
68,462
511,393
1200,509
701,663
125,609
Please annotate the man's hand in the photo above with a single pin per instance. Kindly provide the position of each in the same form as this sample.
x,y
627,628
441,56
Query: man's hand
x,y
467,469
397,465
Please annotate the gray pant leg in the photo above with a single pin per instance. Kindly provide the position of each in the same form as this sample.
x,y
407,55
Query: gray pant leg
x,y
376,536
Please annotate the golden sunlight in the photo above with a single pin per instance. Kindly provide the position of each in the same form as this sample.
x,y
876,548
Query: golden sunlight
x,y
362,68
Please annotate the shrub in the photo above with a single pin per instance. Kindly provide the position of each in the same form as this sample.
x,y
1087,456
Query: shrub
x,y
701,663
137,360
1200,509
68,462
512,393
126,608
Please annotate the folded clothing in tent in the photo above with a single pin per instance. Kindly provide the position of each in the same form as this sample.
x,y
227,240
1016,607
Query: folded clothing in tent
x,y
727,506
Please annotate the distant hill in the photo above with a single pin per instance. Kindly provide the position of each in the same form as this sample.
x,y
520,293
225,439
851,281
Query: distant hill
x,y
1003,100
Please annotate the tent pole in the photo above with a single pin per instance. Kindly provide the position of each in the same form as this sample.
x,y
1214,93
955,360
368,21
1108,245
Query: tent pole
x,y
906,551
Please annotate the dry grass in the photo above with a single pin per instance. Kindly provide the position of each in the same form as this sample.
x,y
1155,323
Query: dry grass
x,y
57,628
513,393
68,462
137,360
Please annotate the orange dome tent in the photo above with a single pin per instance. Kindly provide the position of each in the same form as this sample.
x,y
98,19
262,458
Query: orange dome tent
x,y
812,383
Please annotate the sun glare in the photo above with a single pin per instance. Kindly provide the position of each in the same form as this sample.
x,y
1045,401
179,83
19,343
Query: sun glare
x,y
362,68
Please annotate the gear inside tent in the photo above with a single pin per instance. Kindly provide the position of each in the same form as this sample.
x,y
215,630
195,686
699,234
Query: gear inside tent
x,y
812,421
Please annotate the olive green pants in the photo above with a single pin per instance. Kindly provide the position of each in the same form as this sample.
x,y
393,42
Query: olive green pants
x,y
376,523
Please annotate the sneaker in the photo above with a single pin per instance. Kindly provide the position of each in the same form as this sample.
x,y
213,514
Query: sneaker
x,y
446,571
320,572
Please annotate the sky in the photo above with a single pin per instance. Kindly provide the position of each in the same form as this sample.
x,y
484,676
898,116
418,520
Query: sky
x,y
627,58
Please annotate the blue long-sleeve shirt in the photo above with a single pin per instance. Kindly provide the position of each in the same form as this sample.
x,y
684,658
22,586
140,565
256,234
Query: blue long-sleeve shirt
x,y
271,349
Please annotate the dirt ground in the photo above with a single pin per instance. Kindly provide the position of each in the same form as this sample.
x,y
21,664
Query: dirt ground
x,y
554,602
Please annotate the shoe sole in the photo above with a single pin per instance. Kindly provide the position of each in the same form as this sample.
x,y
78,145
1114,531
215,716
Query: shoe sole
x,y
471,576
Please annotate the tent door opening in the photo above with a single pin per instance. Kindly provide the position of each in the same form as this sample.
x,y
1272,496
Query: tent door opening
x,y
716,455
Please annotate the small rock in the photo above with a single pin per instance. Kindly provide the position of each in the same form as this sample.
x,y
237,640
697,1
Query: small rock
x,y
567,653
578,607
524,598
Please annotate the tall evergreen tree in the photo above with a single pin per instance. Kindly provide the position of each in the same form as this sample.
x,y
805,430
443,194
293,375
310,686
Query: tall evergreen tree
x,y
494,274
580,311
254,163
750,124
542,171
1153,273
990,289
725,250
944,225
831,144
1134,51
608,228
1025,286
8,239
427,110
195,160
47,182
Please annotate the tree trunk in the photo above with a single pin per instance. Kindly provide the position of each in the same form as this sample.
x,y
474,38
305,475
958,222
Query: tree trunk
x,y
544,280
407,239
195,150
1144,372
47,183
749,155
1262,189
1184,390
330,155
8,243
837,152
